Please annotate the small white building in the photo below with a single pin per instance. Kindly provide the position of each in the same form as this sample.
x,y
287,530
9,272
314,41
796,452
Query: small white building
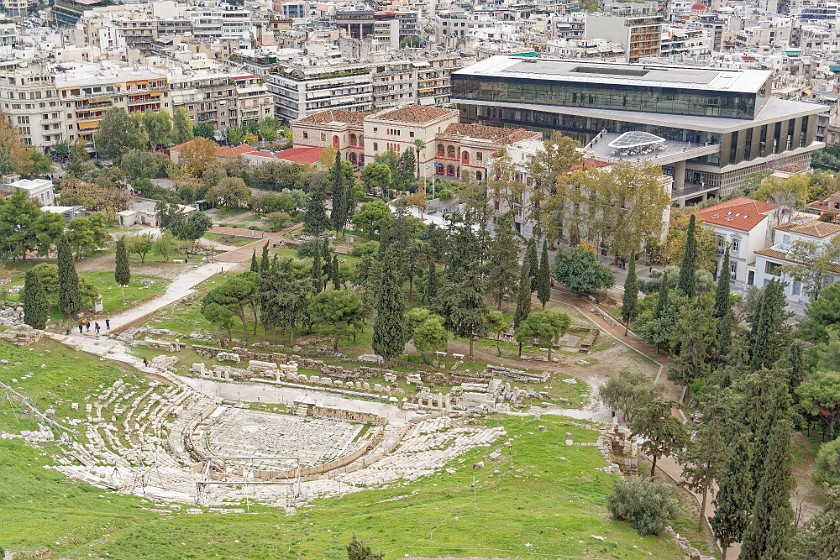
x,y
769,262
746,226
39,190
67,212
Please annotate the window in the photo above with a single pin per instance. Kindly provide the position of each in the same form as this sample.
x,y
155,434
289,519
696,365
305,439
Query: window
x,y
411,134
375,146
733,270
305,134
773,269
735,244
797,288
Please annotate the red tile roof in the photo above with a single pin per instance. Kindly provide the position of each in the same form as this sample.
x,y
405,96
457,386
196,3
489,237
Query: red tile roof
x,y
300,155
334,115
814,228
495,134
415,114
234,152
739,213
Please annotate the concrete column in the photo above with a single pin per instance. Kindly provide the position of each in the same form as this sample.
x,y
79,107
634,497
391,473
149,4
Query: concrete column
x,y
679,176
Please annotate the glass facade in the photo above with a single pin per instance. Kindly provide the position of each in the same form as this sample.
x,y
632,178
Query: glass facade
x,y
621,97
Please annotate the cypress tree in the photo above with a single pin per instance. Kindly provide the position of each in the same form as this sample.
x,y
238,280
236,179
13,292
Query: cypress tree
x,y
122,273
688,267
317,284
630,301
389,328
503,261
769,533
339,209
336,279
35,304
255,266
533,263
431,281
544,277
723,312
69,296
662,302
776,410
733,501
315,218
796,367
265,263
523,297
768,331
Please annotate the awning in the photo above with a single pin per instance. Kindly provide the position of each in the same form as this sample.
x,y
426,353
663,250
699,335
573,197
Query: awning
x,y
88,125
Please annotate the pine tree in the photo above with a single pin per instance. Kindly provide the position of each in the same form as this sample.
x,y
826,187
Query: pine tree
x,y
733,501
469,310
389,327
523,297
35,303
122,273
723,312
265,263
687,282
768,536
317,278
630,300
703,457
339,208
503,261
255,266
69,296
315,217
533,263
334,273
544,277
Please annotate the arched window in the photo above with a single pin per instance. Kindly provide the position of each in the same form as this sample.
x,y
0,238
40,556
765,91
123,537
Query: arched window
x,y
352,158
336,142
441,151
450,170
361,139
352,139
465,158
450,151
478,175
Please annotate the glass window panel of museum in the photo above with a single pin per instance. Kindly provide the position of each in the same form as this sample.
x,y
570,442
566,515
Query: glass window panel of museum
x,y
606,96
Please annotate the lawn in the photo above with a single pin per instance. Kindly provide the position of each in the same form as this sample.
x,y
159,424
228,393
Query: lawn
x,y
142,287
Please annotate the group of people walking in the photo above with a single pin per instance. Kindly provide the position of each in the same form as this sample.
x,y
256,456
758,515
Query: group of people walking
x,y
84,326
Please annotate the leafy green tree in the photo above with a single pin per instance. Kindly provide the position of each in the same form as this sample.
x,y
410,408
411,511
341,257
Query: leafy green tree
x,y
429,335
663,434
118,133
813,264
733,501
293,299
18,218
469,311
238,294
140,245
533,263
827,464
688,265
122,273
544,276
370,216
315,217
205,130
404,178
820,537
389,328
629,390
703,458
820,394
358,550
580,271
87,234
182,127
649,506
823,313
35,302
768,332
336,313
497,324
69,296
220,315
158,125
139,164
542,327
656,328
630,299
770,530
523,295
165,245
316,272
503,262
377,176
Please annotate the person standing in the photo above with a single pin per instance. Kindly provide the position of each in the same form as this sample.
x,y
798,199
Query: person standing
x,y
96,326
80,328
108,324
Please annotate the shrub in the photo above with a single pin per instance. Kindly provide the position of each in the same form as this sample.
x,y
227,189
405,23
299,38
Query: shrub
x,y
365,249
307,248
278,220
648,506
827,467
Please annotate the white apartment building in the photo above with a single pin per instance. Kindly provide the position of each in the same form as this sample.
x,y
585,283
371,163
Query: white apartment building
x,y
769,262
30,102
745,226
300,91
39,190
